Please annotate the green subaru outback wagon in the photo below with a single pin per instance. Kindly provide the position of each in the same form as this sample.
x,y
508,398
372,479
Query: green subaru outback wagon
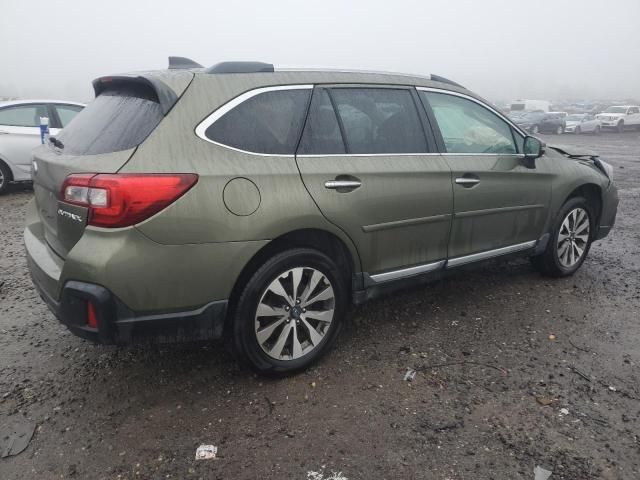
x,y
257,204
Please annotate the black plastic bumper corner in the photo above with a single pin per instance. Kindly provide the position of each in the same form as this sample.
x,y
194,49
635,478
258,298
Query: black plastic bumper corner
x,y
116,323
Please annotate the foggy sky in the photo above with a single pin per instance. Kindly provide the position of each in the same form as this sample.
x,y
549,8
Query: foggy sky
x,y
502,49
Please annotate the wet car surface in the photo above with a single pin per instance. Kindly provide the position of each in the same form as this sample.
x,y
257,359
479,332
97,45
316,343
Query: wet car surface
x,y
514,370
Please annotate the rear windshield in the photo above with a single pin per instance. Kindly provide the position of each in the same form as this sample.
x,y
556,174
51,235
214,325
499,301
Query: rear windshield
x,y
118,119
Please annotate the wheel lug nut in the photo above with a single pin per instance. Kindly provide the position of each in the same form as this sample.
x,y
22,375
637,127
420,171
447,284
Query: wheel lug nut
x,y
298,301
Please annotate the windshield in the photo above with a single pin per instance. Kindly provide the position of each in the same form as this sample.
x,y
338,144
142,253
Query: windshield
x,y
575,117
616,110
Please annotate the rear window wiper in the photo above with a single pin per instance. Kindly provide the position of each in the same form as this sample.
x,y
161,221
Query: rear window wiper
x,y
56,142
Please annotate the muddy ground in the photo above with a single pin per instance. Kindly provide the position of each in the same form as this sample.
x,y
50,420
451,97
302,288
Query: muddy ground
x,y
491,347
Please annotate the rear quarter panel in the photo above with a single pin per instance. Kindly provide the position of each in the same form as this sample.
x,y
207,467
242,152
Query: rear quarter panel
x,y
201,216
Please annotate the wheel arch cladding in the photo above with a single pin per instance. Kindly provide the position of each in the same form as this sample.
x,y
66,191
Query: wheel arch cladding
x,y
593,194
317,239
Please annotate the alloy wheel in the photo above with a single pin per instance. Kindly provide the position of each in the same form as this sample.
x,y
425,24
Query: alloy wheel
x,y
573,237
2,179
294,313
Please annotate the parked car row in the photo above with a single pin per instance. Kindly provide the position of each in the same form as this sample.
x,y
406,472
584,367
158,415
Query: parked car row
x,y
20,133
617,117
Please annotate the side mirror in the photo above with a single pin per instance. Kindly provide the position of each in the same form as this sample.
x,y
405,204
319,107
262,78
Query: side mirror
x,y
533,148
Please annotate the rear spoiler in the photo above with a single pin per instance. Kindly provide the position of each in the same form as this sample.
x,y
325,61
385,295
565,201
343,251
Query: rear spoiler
x,y
167,98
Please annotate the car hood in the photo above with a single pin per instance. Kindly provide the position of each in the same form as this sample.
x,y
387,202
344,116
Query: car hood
x,y
614,115
571,123
574,151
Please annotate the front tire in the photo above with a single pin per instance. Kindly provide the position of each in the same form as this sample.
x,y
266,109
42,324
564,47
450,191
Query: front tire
x,y
577,131
559,130
597,130
570,240
620,127
290,312
535,130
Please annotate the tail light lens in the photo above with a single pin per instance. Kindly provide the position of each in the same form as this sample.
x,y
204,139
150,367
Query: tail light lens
x,y
124,199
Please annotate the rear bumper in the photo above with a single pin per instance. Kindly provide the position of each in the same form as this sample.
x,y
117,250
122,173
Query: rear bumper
x,y
117,324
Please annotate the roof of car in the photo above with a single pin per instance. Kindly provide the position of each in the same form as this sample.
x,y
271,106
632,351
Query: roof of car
x,y
9,103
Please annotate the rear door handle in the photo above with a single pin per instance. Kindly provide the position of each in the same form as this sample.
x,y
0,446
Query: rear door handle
x,y
467,182
343,183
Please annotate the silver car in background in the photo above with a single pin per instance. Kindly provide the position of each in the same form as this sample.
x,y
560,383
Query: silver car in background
x,y
20,133
582,123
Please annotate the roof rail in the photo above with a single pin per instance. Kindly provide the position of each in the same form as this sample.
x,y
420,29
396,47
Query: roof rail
x,y
179,63
438,78
240,67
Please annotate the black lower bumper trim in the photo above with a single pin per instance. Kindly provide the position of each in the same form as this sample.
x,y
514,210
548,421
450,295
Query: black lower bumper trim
x,y
116,323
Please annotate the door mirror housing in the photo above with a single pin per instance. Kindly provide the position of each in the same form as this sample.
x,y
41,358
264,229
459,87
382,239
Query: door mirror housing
x,y
533,148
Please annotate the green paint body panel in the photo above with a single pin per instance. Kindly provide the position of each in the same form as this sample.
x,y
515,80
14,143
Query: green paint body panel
x,y
409,210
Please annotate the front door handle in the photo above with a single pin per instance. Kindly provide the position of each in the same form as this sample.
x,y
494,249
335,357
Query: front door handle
x,y
467,182
343,183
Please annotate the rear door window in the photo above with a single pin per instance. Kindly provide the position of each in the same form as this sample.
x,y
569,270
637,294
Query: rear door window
x,y
322,132
23,115
379,120
468,127
118,119
267,123
66,113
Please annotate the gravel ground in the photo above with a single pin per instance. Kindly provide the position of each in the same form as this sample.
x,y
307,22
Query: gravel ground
x,y
514,370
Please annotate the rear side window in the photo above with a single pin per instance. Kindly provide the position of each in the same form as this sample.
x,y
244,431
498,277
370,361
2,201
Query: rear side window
x,y
118,119
66,113
23,115
322,133
379,120
269,123
468,127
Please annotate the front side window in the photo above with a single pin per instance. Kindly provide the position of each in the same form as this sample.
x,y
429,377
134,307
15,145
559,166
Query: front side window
x,y
66,113
379,120
468,127
268,123
23,115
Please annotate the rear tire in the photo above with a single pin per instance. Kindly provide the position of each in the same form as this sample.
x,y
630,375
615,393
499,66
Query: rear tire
x,y
272,329
577,131
597,130
570,240
535,130
559,130
5,177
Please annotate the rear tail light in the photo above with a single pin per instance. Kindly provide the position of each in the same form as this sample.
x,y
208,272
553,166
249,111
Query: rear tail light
x,y
124,199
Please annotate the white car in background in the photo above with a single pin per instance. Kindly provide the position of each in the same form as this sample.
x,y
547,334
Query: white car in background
x,y
20,133
582,123
620,117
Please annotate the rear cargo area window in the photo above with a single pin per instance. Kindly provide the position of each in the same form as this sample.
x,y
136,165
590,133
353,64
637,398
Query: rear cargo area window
x,y
118,119
269,122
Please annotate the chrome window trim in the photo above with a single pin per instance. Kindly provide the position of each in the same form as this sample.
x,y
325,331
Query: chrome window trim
x,y
475,257
407,272
316,155
201,128
482,104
